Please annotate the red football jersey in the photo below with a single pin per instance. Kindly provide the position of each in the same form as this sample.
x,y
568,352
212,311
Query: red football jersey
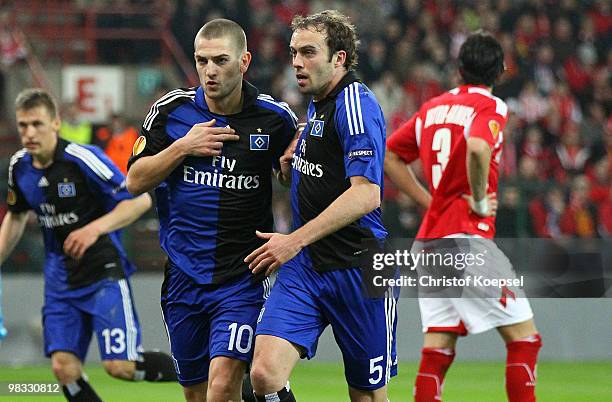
x,y
437,134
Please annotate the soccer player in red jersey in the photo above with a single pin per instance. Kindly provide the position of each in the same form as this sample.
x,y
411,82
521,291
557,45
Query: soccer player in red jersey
x,y
458,137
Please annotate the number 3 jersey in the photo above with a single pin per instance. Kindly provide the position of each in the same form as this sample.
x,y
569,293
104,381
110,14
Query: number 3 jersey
x,y
80,186
437,134
210,207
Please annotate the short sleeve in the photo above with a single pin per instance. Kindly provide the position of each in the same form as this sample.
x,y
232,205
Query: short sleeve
x,y
489,123
103,177
15,200
361,129
152,140
403,141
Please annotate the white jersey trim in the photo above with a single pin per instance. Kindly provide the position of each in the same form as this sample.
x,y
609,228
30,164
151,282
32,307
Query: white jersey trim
x,y
282,105
14,159
164,100
500,106
91,160
352,104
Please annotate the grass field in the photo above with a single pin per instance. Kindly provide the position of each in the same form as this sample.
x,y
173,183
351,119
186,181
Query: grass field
x,y
323,382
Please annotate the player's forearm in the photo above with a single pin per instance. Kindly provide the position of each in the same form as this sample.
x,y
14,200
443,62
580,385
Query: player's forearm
x,y
11,231
284,180
146,173
125,213
360,199
478,159
403,177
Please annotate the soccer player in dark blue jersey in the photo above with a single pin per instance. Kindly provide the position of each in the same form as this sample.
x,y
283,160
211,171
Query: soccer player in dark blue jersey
x,y
81,202
210,151
336,186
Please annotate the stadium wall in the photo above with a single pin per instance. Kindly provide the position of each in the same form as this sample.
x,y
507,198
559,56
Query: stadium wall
x,y
573,329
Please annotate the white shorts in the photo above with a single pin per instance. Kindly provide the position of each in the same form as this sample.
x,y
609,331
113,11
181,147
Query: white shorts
x,y
469,313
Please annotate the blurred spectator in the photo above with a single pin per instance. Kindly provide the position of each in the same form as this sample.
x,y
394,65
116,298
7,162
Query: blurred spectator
x,y
579,218
532,105
388,93
563,40
605,216
592,127
545,212
403,113
119,138
543,70
564,102
373,63
511,218
570,155
74,128
600,179
529,179
264,66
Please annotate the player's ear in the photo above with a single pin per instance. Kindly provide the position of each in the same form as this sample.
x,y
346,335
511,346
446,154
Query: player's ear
x,y
245,61
340,58
56,123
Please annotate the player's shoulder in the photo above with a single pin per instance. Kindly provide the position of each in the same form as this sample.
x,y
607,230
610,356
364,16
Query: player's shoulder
x,y
485,100
18,158
282,109
89,158
358,95
168,102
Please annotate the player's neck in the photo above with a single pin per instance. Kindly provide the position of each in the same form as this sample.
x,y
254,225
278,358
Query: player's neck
x,y
483,86
45,159
338,76
230,104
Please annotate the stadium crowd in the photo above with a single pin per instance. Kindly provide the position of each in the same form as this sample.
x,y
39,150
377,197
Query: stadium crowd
x,y
556,164
556,167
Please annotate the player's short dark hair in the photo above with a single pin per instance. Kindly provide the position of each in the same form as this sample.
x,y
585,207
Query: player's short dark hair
x,y
34,97
221,27
481,59
340,33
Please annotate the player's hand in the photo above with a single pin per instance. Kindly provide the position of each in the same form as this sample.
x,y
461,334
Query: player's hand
x,y
206,140
80,240
491,205
285,163
279,249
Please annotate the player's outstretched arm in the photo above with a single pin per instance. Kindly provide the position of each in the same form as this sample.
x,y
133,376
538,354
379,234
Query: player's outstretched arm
x,y
202,140
361,198
124,213
478,161
11,231
403,177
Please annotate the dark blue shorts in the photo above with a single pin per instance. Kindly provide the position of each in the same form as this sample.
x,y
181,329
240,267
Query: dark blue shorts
x,y
303,302
206,321
108,311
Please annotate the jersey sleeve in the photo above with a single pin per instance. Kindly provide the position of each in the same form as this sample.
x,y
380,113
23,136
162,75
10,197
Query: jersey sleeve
x,y
489,122
361,128
287,134
403,141
153,137
103,177
15,200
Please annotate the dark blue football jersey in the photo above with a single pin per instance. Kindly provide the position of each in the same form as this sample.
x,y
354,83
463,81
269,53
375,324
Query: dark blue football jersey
x,y
344,137
210,207
81,185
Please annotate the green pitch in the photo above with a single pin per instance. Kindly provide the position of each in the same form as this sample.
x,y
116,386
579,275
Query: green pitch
x,y
322,382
